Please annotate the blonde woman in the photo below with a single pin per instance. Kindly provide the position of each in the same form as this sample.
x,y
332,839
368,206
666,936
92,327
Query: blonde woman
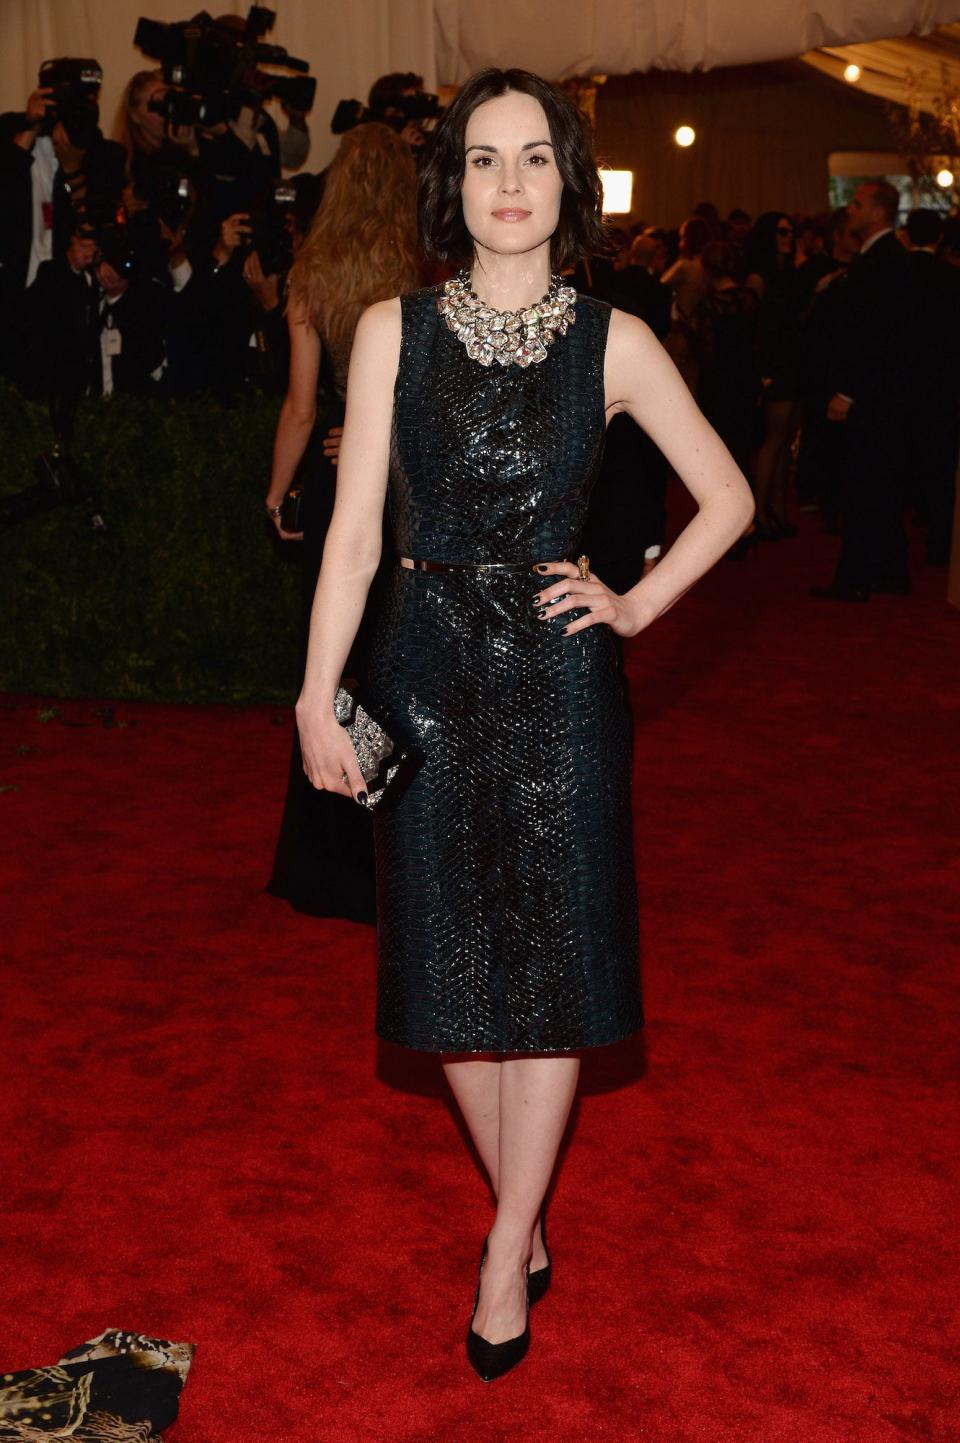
x,y
361,248
146,136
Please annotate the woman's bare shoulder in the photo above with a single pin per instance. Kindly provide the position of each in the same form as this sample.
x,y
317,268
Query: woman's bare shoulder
x,y
381,320
637,369
629,338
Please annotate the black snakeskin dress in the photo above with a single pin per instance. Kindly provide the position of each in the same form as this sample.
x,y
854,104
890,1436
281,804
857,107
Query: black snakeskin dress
x,y
507,912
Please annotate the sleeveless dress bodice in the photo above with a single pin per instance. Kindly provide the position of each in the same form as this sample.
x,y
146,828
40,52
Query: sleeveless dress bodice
x,y
494,464
506,900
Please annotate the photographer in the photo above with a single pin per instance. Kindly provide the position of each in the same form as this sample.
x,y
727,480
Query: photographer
x,y
148,138
210,100
91,330
398,101
53,159
247,287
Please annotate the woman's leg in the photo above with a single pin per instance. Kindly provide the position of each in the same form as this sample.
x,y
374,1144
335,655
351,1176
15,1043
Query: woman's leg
x,y
475,1083
777,417
780,488
535,1097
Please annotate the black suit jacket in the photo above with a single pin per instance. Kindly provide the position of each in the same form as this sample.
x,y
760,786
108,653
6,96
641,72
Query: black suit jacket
x,y
104,166
873,337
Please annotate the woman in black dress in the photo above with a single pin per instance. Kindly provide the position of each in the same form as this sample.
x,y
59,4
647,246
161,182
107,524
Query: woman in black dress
x,y
772,273
729,392
361,247
507,922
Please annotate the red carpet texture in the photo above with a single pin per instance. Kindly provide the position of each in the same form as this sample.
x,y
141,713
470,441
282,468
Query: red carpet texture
x,y
755,1218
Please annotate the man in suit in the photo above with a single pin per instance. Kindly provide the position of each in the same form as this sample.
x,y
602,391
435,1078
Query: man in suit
x,y
869,371
820,463
934,405
91,330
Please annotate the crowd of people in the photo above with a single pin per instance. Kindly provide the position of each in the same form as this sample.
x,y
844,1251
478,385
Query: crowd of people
x,y
156,261
832,382
161,262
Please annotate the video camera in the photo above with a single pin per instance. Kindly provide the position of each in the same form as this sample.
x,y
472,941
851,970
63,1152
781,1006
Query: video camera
x,y
76,86
416,107
215,67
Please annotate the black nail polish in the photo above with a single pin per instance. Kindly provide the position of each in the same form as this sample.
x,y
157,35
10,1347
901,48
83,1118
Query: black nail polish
x,y
542,612
541,567
362,798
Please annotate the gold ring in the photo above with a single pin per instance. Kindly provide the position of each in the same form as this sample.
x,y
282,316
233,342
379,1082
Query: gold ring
x,y
583,566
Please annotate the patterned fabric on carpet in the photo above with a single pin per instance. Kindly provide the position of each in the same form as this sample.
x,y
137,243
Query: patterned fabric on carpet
x,y
117,1388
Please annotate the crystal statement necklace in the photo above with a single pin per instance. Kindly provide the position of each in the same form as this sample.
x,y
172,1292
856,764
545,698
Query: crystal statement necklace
x,y
507,337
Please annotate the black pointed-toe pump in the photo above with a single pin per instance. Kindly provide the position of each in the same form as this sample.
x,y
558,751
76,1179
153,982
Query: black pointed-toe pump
x,y
492,1360
539,1282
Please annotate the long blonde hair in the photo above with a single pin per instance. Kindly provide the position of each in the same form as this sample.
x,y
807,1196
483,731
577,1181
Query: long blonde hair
x,y
127,129
362,245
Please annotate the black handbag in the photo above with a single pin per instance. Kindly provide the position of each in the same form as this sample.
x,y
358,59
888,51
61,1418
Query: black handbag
x,y
383,762
291,510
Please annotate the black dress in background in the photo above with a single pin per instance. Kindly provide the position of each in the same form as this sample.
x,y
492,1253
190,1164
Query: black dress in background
x,y
729,377
506,891
779,330
628,504
324,863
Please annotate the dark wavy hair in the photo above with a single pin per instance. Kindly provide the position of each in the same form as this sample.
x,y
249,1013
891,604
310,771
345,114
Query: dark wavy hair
x,y
580,230
761,255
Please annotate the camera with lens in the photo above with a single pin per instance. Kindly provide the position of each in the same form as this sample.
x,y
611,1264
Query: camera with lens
x,y
167,195
270,233
75,87
402,109
105,223
133,243
215,68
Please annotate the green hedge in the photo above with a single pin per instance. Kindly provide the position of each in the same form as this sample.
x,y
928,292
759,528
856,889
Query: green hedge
x,y
188,597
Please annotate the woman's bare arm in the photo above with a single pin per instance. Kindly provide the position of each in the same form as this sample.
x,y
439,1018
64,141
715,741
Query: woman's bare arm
x,y
299,409
641,379
351,552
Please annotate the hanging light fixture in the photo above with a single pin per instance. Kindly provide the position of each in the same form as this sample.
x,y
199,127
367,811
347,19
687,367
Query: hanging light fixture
x,y
617,191
684,135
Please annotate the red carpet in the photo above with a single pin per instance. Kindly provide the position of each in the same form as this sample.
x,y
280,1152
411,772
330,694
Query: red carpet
x,y
754,1224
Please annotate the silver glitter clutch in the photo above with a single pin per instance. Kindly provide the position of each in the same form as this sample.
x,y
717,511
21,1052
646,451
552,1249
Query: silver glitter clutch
x,y
379,757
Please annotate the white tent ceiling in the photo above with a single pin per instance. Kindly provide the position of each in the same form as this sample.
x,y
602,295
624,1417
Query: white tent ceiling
x,y
572,37
926,65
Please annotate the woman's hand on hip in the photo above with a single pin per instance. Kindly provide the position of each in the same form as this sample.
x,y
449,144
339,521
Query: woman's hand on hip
x,y
329,760
573,592
331,444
